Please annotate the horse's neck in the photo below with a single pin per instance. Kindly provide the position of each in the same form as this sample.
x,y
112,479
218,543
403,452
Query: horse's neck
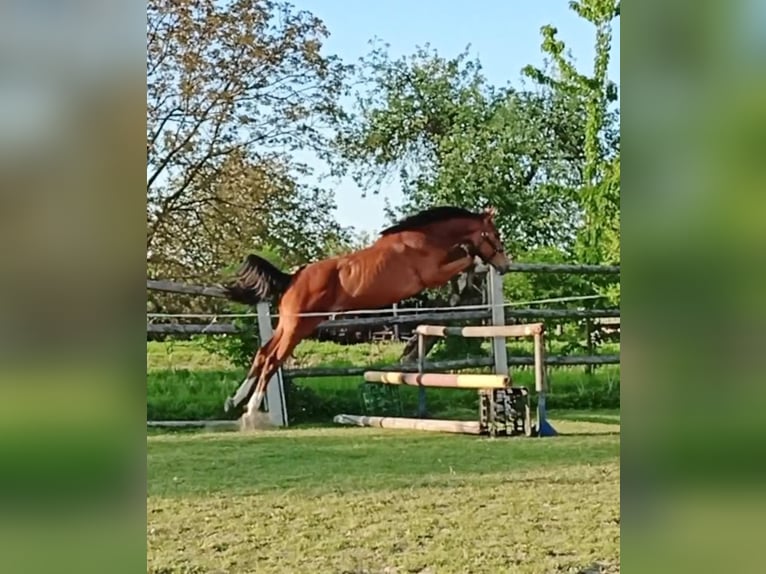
x,y
441,237
448,235
420,240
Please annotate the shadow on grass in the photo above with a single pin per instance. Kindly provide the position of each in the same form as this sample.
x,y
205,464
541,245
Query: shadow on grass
x,y
594,433
606,417
593,419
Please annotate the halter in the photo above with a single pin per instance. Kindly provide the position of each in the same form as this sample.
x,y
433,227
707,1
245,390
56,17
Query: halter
x,y
475,250
485,238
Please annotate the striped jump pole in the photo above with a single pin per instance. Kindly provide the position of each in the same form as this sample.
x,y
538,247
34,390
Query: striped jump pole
x,y
442,380
433,425
528,330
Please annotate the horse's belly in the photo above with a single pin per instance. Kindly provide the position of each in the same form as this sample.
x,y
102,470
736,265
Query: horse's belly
x,y
379,286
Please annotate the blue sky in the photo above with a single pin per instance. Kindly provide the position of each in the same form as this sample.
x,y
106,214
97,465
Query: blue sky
x,y
504,34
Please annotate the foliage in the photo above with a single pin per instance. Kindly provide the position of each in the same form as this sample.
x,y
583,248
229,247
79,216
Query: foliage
x,y
449,348
598,196
379,399
239,349
547,157
523,287
233,89
599,193
450,137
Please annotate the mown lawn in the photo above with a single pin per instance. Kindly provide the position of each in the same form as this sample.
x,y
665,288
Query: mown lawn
x,y
353,500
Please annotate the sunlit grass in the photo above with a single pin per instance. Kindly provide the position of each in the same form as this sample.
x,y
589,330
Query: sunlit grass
x,y
363,500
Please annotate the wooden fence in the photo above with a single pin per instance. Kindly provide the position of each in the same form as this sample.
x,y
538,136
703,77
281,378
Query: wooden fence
x,y
215,328
413,318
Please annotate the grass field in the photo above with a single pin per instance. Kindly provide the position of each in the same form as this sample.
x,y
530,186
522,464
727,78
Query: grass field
x,y
352,500
318,498
186,382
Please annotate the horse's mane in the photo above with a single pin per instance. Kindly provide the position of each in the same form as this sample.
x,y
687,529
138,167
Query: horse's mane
x,y
428,216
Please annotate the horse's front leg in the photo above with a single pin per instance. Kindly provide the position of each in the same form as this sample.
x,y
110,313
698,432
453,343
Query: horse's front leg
x,y
450,269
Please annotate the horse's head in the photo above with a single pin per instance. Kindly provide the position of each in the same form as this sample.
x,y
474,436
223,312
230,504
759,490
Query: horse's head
x,y
487,245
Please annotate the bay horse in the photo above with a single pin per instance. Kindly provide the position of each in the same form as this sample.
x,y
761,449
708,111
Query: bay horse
x,y
422,251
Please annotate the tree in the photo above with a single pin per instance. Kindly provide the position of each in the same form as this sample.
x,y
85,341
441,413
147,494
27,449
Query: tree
x,y
452,138
234,87
599,194
598,238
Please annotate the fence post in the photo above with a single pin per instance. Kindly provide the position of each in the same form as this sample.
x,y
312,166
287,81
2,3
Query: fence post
x,y
274,401
396,325
496,302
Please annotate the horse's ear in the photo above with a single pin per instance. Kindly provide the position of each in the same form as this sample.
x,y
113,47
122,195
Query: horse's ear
x,y
490,213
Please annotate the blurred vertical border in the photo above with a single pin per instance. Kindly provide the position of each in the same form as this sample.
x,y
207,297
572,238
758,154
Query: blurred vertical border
x,y
72,304
693,230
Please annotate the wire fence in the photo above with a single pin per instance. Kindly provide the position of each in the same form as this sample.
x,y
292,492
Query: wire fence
x,y
221,323
386,310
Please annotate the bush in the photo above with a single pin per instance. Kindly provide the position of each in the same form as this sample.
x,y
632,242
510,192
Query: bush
x,y
451,348
238,349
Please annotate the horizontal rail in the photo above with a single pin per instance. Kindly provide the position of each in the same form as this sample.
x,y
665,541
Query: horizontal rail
x,y
564,268
409,319
193,328
484,331
561,313
186,288
230,328
477,362
440,380
436,425
311,372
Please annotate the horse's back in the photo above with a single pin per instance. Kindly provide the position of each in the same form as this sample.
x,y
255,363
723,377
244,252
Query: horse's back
x,y
311,288
383,273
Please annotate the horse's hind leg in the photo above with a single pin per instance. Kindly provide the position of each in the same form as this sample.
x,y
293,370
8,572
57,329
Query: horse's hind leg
x,y
246,387
290,336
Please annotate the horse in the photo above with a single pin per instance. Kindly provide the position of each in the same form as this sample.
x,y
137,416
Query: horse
x,y
422,251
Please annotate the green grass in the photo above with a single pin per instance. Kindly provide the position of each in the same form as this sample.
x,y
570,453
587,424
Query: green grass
x,y
186,382
349,500
354,500
190,355
184,394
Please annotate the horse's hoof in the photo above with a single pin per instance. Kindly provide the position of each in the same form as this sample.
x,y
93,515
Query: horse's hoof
x,y
228,405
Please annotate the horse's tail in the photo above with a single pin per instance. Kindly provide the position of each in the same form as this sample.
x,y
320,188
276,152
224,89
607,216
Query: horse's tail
x,y
258,280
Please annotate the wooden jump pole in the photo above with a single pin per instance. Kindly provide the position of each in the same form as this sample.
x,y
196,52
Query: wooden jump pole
x,y
433,425
468,381
526,330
